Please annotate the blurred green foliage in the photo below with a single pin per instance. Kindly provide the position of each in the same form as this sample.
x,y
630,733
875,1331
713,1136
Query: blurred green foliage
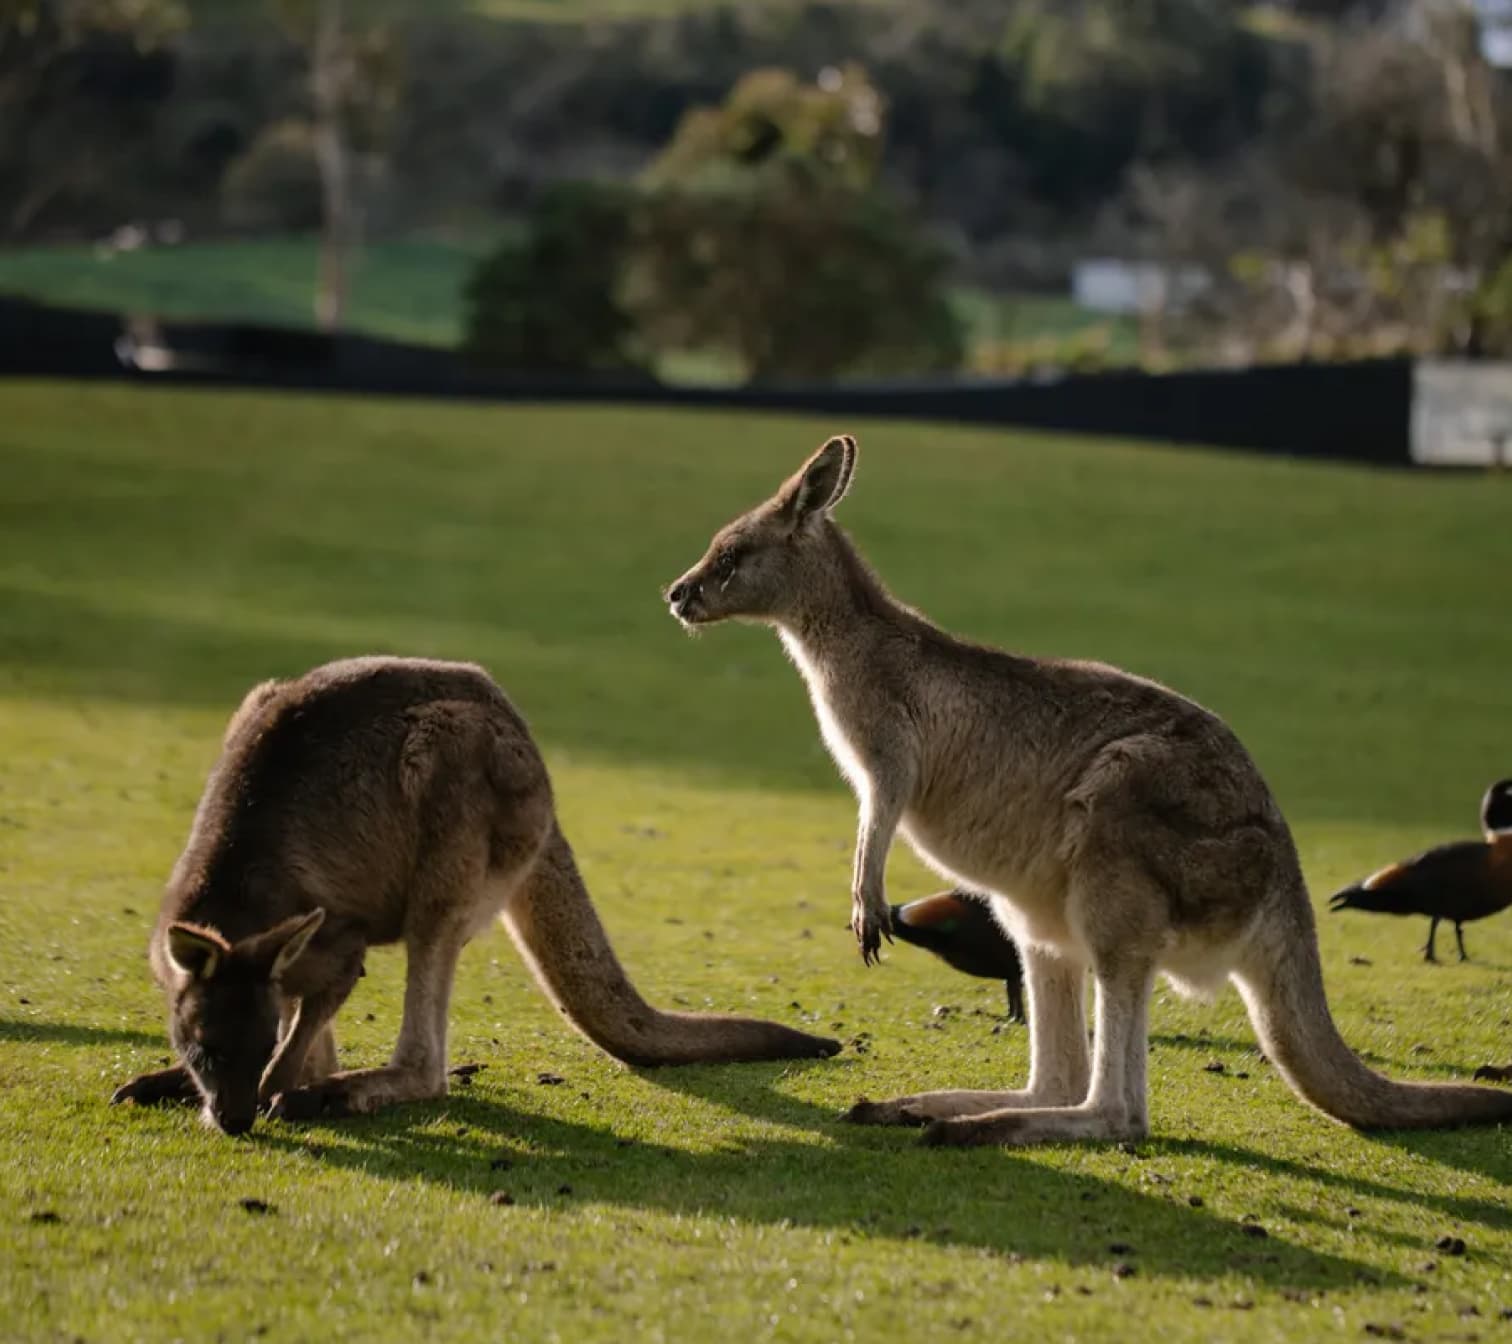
x,y
546,299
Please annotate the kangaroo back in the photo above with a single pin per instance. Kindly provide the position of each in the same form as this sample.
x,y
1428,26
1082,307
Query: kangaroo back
x,y
1281,981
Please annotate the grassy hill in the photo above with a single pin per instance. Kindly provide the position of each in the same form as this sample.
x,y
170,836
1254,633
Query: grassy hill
x,y
161,551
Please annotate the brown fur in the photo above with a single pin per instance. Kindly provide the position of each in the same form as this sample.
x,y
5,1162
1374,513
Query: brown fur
x,y
1117,827
383,800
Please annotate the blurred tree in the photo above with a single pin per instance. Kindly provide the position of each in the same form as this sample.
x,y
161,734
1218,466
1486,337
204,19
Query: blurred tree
x,y
1101,83
762,232
355,80
79,83
1369,219
275,185
546,300
772,123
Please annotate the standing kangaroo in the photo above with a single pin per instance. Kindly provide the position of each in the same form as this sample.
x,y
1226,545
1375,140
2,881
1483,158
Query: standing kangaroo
x,y
1116,826
382,800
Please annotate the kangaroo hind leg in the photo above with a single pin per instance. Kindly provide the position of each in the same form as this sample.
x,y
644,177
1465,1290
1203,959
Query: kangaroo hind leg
x,y
441,912
1058,1063
1118,1077
1121,927
417,1069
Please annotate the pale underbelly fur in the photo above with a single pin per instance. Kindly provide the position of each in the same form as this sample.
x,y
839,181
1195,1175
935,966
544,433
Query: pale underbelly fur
x,y
1034,910
1030,902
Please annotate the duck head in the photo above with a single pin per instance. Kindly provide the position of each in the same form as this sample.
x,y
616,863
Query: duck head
x,y
1496,809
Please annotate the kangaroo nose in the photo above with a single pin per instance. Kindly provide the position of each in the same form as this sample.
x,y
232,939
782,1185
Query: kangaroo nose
x,y
234,1124
678,591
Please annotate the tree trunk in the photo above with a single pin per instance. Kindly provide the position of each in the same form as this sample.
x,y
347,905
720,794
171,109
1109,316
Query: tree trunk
x,y
329,76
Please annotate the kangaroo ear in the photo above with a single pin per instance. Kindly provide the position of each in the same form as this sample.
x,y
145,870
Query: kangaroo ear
x,y
281,946
821,482
196,951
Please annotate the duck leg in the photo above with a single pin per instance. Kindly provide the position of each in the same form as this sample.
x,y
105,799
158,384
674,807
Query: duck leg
x,y
1428,952
1459,937
1015,990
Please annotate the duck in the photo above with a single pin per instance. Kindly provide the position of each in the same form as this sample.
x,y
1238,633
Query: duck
x,y
1459,882
960,929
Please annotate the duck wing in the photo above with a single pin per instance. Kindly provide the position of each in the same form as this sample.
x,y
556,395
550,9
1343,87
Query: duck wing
x,y
1438,882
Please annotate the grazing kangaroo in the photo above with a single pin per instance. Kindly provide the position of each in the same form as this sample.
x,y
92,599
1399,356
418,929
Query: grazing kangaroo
x,y
1116,826
381,800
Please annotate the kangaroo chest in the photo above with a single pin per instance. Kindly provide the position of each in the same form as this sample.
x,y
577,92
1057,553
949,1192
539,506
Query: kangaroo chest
x,y
839,738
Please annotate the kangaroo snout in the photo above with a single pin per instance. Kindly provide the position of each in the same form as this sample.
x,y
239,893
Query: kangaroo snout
x,y
685,599
233,1120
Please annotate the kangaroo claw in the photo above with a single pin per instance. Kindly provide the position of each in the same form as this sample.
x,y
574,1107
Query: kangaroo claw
x,y
870,928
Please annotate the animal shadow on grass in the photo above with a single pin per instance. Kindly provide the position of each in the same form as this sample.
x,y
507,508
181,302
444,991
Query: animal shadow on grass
x,y
1477,1151
1485,1152
29,1032
1451,1147
863,1184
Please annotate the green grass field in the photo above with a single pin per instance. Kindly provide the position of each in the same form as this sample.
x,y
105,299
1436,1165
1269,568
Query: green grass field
x,y
161,551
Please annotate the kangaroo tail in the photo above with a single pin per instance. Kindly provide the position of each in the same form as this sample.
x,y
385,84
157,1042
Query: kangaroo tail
x,y
1281,979
558,932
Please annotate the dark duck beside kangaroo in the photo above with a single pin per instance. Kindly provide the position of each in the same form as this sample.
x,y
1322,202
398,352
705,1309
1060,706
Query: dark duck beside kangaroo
x,y
1460,882
961,930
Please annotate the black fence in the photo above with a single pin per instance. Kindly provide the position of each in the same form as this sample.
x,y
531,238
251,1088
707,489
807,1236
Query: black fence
x,y
1358,412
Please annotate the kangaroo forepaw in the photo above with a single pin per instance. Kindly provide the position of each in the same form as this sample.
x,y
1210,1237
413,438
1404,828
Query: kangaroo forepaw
x,y
325,1101
866,1112
870,926
156,1089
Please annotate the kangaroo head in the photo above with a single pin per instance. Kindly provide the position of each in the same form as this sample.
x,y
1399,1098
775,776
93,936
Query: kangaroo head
x,y
225,1014
758,566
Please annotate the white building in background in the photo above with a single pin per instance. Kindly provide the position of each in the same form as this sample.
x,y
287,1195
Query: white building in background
x,y
1112,285
1461,413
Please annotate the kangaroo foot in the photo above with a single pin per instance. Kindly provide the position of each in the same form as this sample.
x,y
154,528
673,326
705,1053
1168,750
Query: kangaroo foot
x,y
1489,1073
866,1112
360,1092
157,1089
1057,1124
324,1101
923,1107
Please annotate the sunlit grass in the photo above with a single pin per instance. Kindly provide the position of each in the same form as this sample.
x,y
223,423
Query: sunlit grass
x,y
161,551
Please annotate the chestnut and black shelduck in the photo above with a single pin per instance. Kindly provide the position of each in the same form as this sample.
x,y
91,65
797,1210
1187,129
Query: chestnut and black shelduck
x,y
961,930
1459,882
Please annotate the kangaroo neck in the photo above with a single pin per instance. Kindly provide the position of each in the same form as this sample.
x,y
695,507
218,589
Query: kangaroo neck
x,y
842,617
